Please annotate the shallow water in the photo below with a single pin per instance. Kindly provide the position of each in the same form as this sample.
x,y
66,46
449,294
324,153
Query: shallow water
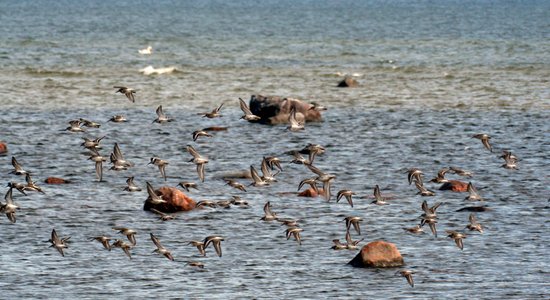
x,y
423,93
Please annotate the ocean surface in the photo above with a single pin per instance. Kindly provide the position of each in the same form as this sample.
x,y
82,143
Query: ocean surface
x,y
431,74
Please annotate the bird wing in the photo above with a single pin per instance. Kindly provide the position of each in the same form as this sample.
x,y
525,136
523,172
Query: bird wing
x,y
9,196
193,152
156,241
244,107
151,190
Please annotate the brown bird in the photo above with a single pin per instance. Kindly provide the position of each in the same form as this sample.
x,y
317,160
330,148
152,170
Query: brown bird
x,y
484,140
423,191
347,194
440,178
457,236
474,225
199,133
473,195
188,185
197,159
103,240
294,231
235,184
126,91
248,115
353,221
216,242
414,174
124,246
160,248
416,229
407,274
199,245
129,233
378,199
214,113
57,243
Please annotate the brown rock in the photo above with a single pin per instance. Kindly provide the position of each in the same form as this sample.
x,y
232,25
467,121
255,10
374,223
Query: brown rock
x,y
310,193
3,148
348,82
275,110
454,186
176,201
378,254
56,180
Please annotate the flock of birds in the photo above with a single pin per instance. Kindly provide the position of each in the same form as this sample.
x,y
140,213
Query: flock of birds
x,y
270,168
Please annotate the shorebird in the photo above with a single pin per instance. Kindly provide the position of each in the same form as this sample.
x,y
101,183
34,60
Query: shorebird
x,y
312,150
57,243
92,144
208,203
294,231
353,221
161,164
103,240
325,178
196,264
423,191
248,115
89,124
98,159
273,162
160,248
268,214
293,124
199,245
129,233
484,140
126,91
474,225
266,172
257,180
31,185
223,203
161,117
132,187
457,236
237,201
216,242
74,126
299,159
117,159
347,194
163,216
351,244
118,119
461,172
473,195
124,246
18,186
9,208
198,160
408,275
289,222
416,229
414,174
186,185
215,113
510,160
378,199
312,182
318,107
429,211
235,184
18,170
431,221
153,197
146,51
338,246
199,133
440,178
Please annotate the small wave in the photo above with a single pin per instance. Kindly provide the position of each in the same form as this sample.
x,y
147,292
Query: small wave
x,y
58,73
150,70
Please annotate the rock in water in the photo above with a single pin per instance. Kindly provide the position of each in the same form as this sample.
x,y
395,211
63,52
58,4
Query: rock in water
x,y
275,110
454,186
378,254
3,148
56,180
176,201
348,82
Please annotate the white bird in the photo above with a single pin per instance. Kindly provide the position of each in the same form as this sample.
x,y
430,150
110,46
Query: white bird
x,y
146,51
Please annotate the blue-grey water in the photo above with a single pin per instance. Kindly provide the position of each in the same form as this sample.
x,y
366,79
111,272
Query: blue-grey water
x,y
431,74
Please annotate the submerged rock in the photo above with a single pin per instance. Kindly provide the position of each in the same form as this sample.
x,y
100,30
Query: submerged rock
x,y
275,110
454,186
475,208
56,180
176,201
378,254
310,193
